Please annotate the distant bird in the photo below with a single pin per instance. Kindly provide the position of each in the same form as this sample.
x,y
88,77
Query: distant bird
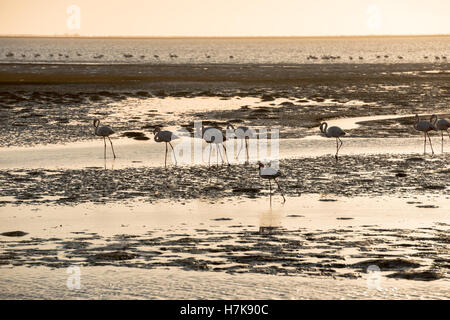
x,y
105,132
10,54
386,56
242,133
172,55
23,56
270,174
231,57
167,137
400,57
333,132
78,54
425,127
351,58
156,56
215,136
37,55
441,125
207,56
142,57
128,55
425,57
361,58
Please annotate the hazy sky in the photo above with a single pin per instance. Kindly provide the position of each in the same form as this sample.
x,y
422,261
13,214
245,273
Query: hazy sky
x,y
225,17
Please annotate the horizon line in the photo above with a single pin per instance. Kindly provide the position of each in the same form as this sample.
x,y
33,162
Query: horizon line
x,y
222,37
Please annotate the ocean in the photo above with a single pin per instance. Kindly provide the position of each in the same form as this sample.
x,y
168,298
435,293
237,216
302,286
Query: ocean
x,y
392,50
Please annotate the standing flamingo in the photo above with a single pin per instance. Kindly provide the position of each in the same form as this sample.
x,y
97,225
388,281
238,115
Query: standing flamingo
x,y
167,137
242,133
425,127
441,125
214,135
333,132
105,132
270,174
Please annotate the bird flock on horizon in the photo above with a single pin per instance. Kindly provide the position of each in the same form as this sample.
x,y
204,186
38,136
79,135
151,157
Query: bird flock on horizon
x,y
217,137
171,55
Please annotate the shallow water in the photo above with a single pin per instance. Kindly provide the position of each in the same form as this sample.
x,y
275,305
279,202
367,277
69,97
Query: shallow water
x,y
256,51
132,153
303,231
127,283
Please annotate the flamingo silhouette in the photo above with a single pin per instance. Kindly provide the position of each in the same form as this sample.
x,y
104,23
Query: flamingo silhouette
x,y
425,127
105,132
270,174
441,125
242,133
167,137
215,136
333,132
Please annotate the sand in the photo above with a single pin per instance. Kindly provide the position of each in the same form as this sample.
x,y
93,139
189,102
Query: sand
x,y
384,203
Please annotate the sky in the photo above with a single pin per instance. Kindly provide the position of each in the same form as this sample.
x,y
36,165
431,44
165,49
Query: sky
x,y
218,18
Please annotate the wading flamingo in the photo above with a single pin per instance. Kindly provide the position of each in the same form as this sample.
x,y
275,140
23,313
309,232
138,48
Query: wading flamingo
x,y
270,174
167,137
333,132
425,127
105,132
242,133
215,136
441,125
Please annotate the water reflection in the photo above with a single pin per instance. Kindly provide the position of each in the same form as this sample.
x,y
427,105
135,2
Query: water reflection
x,y
270,221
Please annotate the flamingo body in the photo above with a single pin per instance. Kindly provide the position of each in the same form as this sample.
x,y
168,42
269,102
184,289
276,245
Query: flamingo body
x,y
105,132
425,127
166,137
441,125
333,132
270,174
215,136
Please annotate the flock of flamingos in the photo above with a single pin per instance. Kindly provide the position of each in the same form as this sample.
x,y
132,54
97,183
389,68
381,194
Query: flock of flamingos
x,y
216,136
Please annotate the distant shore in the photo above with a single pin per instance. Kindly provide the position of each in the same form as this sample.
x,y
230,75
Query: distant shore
x,y
61,73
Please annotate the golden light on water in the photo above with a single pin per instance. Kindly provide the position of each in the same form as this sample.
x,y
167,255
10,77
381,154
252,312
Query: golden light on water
x,y
225,18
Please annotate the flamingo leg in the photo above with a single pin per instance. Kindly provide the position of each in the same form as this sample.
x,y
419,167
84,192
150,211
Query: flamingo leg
x,y
270,188
282,194
220,153
165,158
104,153
432,151
173,153
340,146
209,160
246,148
240,149
425,143
217,155
112,148
226,153
442,142
337,149
448,133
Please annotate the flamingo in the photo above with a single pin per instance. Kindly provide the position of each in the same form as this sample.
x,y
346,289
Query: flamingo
x,y
167,137
105,132
270,174
242,133
441,125
425,127
214,135
333,132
